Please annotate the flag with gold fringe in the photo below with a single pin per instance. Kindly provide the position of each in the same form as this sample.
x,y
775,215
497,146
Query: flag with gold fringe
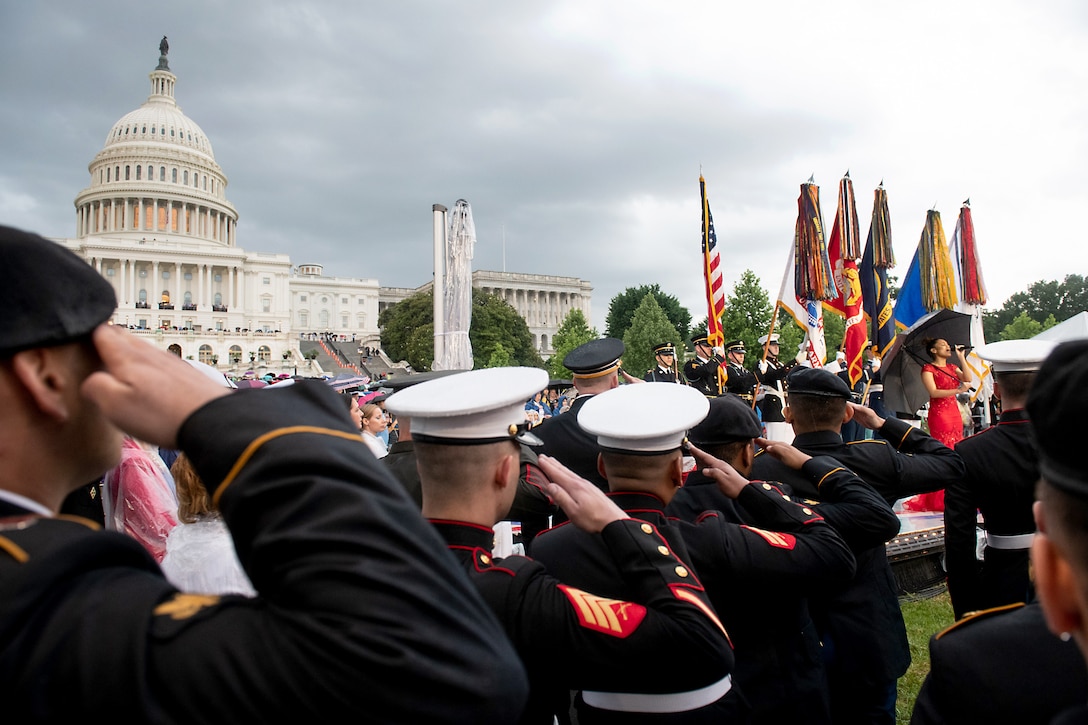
x,y
712,273
967,267
930,282
876,260
843,251
813,277
807,314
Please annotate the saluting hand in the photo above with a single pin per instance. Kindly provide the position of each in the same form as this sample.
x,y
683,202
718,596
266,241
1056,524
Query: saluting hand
x,y
729,480
784,452
585,505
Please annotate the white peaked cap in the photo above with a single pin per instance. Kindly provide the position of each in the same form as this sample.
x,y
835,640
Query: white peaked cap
x,y
472,406
643,417
1016,356
763,338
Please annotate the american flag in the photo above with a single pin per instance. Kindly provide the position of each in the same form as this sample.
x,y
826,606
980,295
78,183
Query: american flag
x,y
712,273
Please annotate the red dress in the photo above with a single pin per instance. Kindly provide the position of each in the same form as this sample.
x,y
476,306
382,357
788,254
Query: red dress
x,y
945,424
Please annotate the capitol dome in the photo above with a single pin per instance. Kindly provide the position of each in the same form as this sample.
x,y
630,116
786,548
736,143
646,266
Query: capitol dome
x,y
156,176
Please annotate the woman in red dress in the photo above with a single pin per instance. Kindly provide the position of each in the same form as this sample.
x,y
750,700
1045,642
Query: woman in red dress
x,y
944,381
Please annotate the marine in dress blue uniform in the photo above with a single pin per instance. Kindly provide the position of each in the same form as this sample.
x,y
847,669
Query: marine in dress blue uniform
x,y
569,637
1002,468
357,611
642,457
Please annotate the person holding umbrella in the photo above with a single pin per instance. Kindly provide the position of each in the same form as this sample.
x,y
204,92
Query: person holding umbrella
x,y
944,381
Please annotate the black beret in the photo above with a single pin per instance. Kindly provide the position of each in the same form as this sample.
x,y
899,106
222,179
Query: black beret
x,y
664,348
816,381
730,419
595,357
50,296
1056,408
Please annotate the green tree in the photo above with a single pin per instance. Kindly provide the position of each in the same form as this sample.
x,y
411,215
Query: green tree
x,y
747,315
500,358
408,331
1060,299
649,327
573,332
621,310
1024,327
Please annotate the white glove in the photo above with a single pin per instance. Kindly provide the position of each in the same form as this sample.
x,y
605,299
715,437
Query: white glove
x,y
719,351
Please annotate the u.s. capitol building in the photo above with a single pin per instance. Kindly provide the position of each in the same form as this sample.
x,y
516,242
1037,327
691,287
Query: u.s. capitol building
x,y
156,222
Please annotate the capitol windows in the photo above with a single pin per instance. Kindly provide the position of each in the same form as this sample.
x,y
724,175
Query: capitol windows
x,y
145,129
185,177
150,173
302,298
323,319
235,354
174,175
266,280
162,173
264,354
128,174
266,304
303,319
187,300
110,271
204,354
344,322
218,278
218,299
343,300
108,170
143,296
188,275
116,173
138,168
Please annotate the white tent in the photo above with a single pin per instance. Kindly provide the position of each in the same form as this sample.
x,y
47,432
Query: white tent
x,y
1075,328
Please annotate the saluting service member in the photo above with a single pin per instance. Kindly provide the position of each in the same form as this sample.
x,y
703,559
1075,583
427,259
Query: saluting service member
x,y
569,638
641,456
594,369
703,372
1002,467
861,624
779,662
665,369
739,380
359,609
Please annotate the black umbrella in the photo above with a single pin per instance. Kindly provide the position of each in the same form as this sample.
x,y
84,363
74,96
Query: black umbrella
x,y
901,370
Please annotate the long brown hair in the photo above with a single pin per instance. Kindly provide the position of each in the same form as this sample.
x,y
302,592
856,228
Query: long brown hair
x,y
193,499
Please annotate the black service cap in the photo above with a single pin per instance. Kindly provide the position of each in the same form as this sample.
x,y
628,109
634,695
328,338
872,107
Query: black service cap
x,y
816,381
594,358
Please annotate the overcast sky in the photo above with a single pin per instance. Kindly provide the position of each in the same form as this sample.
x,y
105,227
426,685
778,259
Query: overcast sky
x,y
576,130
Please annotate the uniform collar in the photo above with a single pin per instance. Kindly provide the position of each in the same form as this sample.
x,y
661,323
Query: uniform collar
x,y
464,534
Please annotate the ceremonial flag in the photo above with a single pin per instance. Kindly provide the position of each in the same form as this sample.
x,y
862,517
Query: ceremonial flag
x,y
807,314
712,273
967,270
929,284
813,278
842,252
876,260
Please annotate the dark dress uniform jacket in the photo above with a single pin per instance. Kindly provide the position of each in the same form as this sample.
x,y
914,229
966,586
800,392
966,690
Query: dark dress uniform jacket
x,y
740,380
1002,468
1000,667
728,558
863,618
771,373
703,375
660,375
779,668
573,639
360,608
401,462
566,441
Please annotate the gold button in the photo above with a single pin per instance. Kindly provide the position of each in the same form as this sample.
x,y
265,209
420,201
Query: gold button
x,y
664,550
485,559
681,571
807,510
647,529
767,486
786,497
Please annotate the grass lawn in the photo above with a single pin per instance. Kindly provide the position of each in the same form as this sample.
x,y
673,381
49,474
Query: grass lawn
x,y
924,617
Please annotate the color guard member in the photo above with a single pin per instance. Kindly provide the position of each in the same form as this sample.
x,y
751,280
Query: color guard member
x,y
703,372
665,369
